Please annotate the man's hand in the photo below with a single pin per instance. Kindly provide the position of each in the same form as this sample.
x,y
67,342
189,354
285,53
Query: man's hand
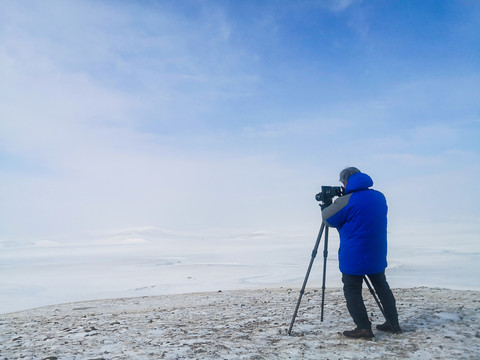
x,y
323,206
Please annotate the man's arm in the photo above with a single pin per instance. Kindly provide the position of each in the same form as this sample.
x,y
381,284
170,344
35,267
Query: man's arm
x,y
336,214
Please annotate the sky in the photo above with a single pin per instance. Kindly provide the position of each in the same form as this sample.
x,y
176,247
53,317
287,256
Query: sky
x,y
205,115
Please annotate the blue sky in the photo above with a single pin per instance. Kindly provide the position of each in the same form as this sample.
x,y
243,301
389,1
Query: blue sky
x,y
192,115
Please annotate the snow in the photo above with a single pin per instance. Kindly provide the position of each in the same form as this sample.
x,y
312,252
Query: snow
x,y
161,299
152,261
243,324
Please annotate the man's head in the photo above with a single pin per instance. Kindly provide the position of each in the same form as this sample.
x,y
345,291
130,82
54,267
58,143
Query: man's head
x,y
346,173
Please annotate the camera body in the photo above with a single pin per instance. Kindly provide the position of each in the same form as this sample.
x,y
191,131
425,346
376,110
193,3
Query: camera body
x,y
328,193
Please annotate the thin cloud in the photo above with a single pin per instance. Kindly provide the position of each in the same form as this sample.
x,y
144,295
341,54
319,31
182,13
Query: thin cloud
x,y
128,114
318,128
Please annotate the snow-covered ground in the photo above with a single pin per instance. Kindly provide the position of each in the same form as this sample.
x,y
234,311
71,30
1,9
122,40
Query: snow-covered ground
x,y
144,273
243,324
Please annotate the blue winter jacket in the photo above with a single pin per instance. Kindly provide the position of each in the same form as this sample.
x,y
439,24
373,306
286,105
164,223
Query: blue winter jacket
x,y
360,217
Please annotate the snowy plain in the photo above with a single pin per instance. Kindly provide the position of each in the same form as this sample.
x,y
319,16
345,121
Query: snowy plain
x,y
152,261
173,295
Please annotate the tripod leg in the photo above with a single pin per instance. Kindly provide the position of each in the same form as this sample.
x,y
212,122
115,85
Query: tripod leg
x,y
325,255
378,303
302,291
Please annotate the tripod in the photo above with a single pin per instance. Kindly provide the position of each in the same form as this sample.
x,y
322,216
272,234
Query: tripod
x,y
314,254
325,255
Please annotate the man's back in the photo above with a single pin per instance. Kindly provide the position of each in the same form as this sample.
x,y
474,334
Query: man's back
x,y
361,219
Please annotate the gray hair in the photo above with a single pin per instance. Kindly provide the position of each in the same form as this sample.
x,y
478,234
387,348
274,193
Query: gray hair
x,y
346,173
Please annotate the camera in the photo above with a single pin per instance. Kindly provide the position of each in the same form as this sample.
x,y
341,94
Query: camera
x,y
328,193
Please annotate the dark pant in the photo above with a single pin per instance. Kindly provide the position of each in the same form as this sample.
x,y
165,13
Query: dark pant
x,y
352,288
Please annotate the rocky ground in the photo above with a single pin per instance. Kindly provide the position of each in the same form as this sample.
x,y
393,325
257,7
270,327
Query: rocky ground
x,y
437,324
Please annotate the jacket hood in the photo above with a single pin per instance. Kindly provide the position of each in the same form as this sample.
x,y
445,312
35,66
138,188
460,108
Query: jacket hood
x,y
358,181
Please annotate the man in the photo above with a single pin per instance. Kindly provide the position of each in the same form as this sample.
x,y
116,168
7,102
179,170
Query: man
x,y
360,217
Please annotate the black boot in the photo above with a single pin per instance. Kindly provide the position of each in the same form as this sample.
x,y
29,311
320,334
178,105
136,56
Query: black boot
x,y
366,334
386,327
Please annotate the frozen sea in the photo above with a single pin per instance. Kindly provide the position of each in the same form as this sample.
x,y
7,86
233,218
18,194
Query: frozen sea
x,y
151,261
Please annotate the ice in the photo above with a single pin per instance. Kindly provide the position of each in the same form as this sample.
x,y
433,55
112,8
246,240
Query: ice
x,y
151,261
